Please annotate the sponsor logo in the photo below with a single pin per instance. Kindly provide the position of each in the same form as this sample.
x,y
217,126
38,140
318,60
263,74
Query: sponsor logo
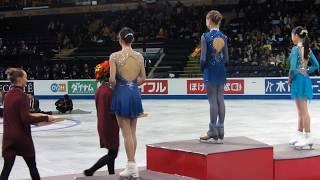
x,y
82,87
277,86
281,86
234,86
58,87
154,87
5,86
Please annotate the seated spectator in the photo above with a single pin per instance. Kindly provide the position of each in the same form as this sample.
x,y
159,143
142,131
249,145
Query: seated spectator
x,y
64,105
34,105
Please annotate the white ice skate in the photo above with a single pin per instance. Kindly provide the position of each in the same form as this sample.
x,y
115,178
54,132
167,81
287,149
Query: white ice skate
x,y
220,141
208,139
296,138
305,142
131,172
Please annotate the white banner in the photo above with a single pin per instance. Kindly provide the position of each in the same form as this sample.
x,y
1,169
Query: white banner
x,y
171,88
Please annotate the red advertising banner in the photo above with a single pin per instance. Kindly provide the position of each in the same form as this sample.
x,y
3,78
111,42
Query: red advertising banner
x,y
234,86
154,87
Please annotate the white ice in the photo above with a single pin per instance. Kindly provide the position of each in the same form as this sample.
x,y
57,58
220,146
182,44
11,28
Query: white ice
x,y
71,150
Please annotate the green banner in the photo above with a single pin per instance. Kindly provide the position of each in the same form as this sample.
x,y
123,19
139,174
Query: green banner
x,y
82,87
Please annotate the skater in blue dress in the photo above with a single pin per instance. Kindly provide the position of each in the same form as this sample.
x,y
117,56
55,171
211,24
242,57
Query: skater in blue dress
x,y
214,55
300,83
127,72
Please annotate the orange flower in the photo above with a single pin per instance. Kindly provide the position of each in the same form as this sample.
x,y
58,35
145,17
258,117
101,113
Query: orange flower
x,y
102,69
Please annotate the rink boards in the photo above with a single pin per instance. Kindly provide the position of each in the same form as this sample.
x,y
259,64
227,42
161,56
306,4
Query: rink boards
x,y
235,88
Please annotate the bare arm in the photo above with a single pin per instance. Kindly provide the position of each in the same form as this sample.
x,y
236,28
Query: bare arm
x,y
113,71
142,75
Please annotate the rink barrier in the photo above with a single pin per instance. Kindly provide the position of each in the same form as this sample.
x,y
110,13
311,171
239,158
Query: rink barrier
x,y
182,88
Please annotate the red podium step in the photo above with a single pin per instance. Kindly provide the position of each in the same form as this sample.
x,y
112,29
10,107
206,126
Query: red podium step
x,y
296,164
238,158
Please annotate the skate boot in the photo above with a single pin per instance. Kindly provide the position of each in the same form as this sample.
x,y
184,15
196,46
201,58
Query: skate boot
x,y
304,142
296,138
212,138
220,135
87,172
131,172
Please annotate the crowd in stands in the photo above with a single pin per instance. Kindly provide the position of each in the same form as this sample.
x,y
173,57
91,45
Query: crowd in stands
x,y
259,34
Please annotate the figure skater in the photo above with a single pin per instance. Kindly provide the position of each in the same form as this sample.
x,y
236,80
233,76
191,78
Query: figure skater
x,y
300,83
214,55
127,72
17,140
108,128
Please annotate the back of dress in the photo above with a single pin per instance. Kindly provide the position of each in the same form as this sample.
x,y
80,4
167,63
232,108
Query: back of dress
x,y
126,74
129,64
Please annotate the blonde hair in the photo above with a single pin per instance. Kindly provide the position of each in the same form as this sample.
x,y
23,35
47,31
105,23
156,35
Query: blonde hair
x,y
215,16
14,73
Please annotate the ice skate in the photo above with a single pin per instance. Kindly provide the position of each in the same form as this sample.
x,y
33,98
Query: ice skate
x,y
305,143
212,138
221,133
131,172
220,141
296,138
208,139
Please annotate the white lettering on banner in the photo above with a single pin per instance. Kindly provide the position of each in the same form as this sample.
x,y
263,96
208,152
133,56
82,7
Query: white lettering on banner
x,y
316,86
78,87
154,87
198,86
280,86
269,86
233,87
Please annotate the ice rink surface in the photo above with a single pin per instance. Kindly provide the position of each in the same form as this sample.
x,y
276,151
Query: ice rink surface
x,y
71,146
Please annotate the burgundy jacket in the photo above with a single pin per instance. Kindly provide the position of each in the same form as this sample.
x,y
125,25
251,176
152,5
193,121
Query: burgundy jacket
x,y
108,128
17,138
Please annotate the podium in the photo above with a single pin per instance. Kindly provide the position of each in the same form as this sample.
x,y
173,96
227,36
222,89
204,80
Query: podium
x,y
239,158
296,164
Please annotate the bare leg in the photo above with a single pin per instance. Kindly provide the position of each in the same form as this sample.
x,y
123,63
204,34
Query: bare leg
x,y
300,114
125,126
133,125
306,116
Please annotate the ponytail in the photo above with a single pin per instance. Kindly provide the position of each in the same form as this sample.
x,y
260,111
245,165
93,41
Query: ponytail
x,y
306,45
303,34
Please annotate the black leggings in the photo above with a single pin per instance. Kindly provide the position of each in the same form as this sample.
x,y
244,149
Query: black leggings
x,y
8,164
108,160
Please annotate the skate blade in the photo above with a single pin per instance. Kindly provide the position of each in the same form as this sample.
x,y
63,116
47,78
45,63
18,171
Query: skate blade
x,y
129,178
209,141
307,147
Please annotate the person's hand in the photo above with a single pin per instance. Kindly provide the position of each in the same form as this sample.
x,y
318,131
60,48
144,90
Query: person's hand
x,y
289,81
52,118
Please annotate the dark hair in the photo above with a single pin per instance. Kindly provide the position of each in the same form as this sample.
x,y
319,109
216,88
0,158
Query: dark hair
x,y
14,73
215,16
127,35
66,96
303,34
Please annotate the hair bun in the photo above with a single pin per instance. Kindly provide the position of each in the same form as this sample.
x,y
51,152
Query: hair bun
x,y
127,34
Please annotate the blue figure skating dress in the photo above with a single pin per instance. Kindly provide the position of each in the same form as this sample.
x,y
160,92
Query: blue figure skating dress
x,y
301,84
213,63
126,100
